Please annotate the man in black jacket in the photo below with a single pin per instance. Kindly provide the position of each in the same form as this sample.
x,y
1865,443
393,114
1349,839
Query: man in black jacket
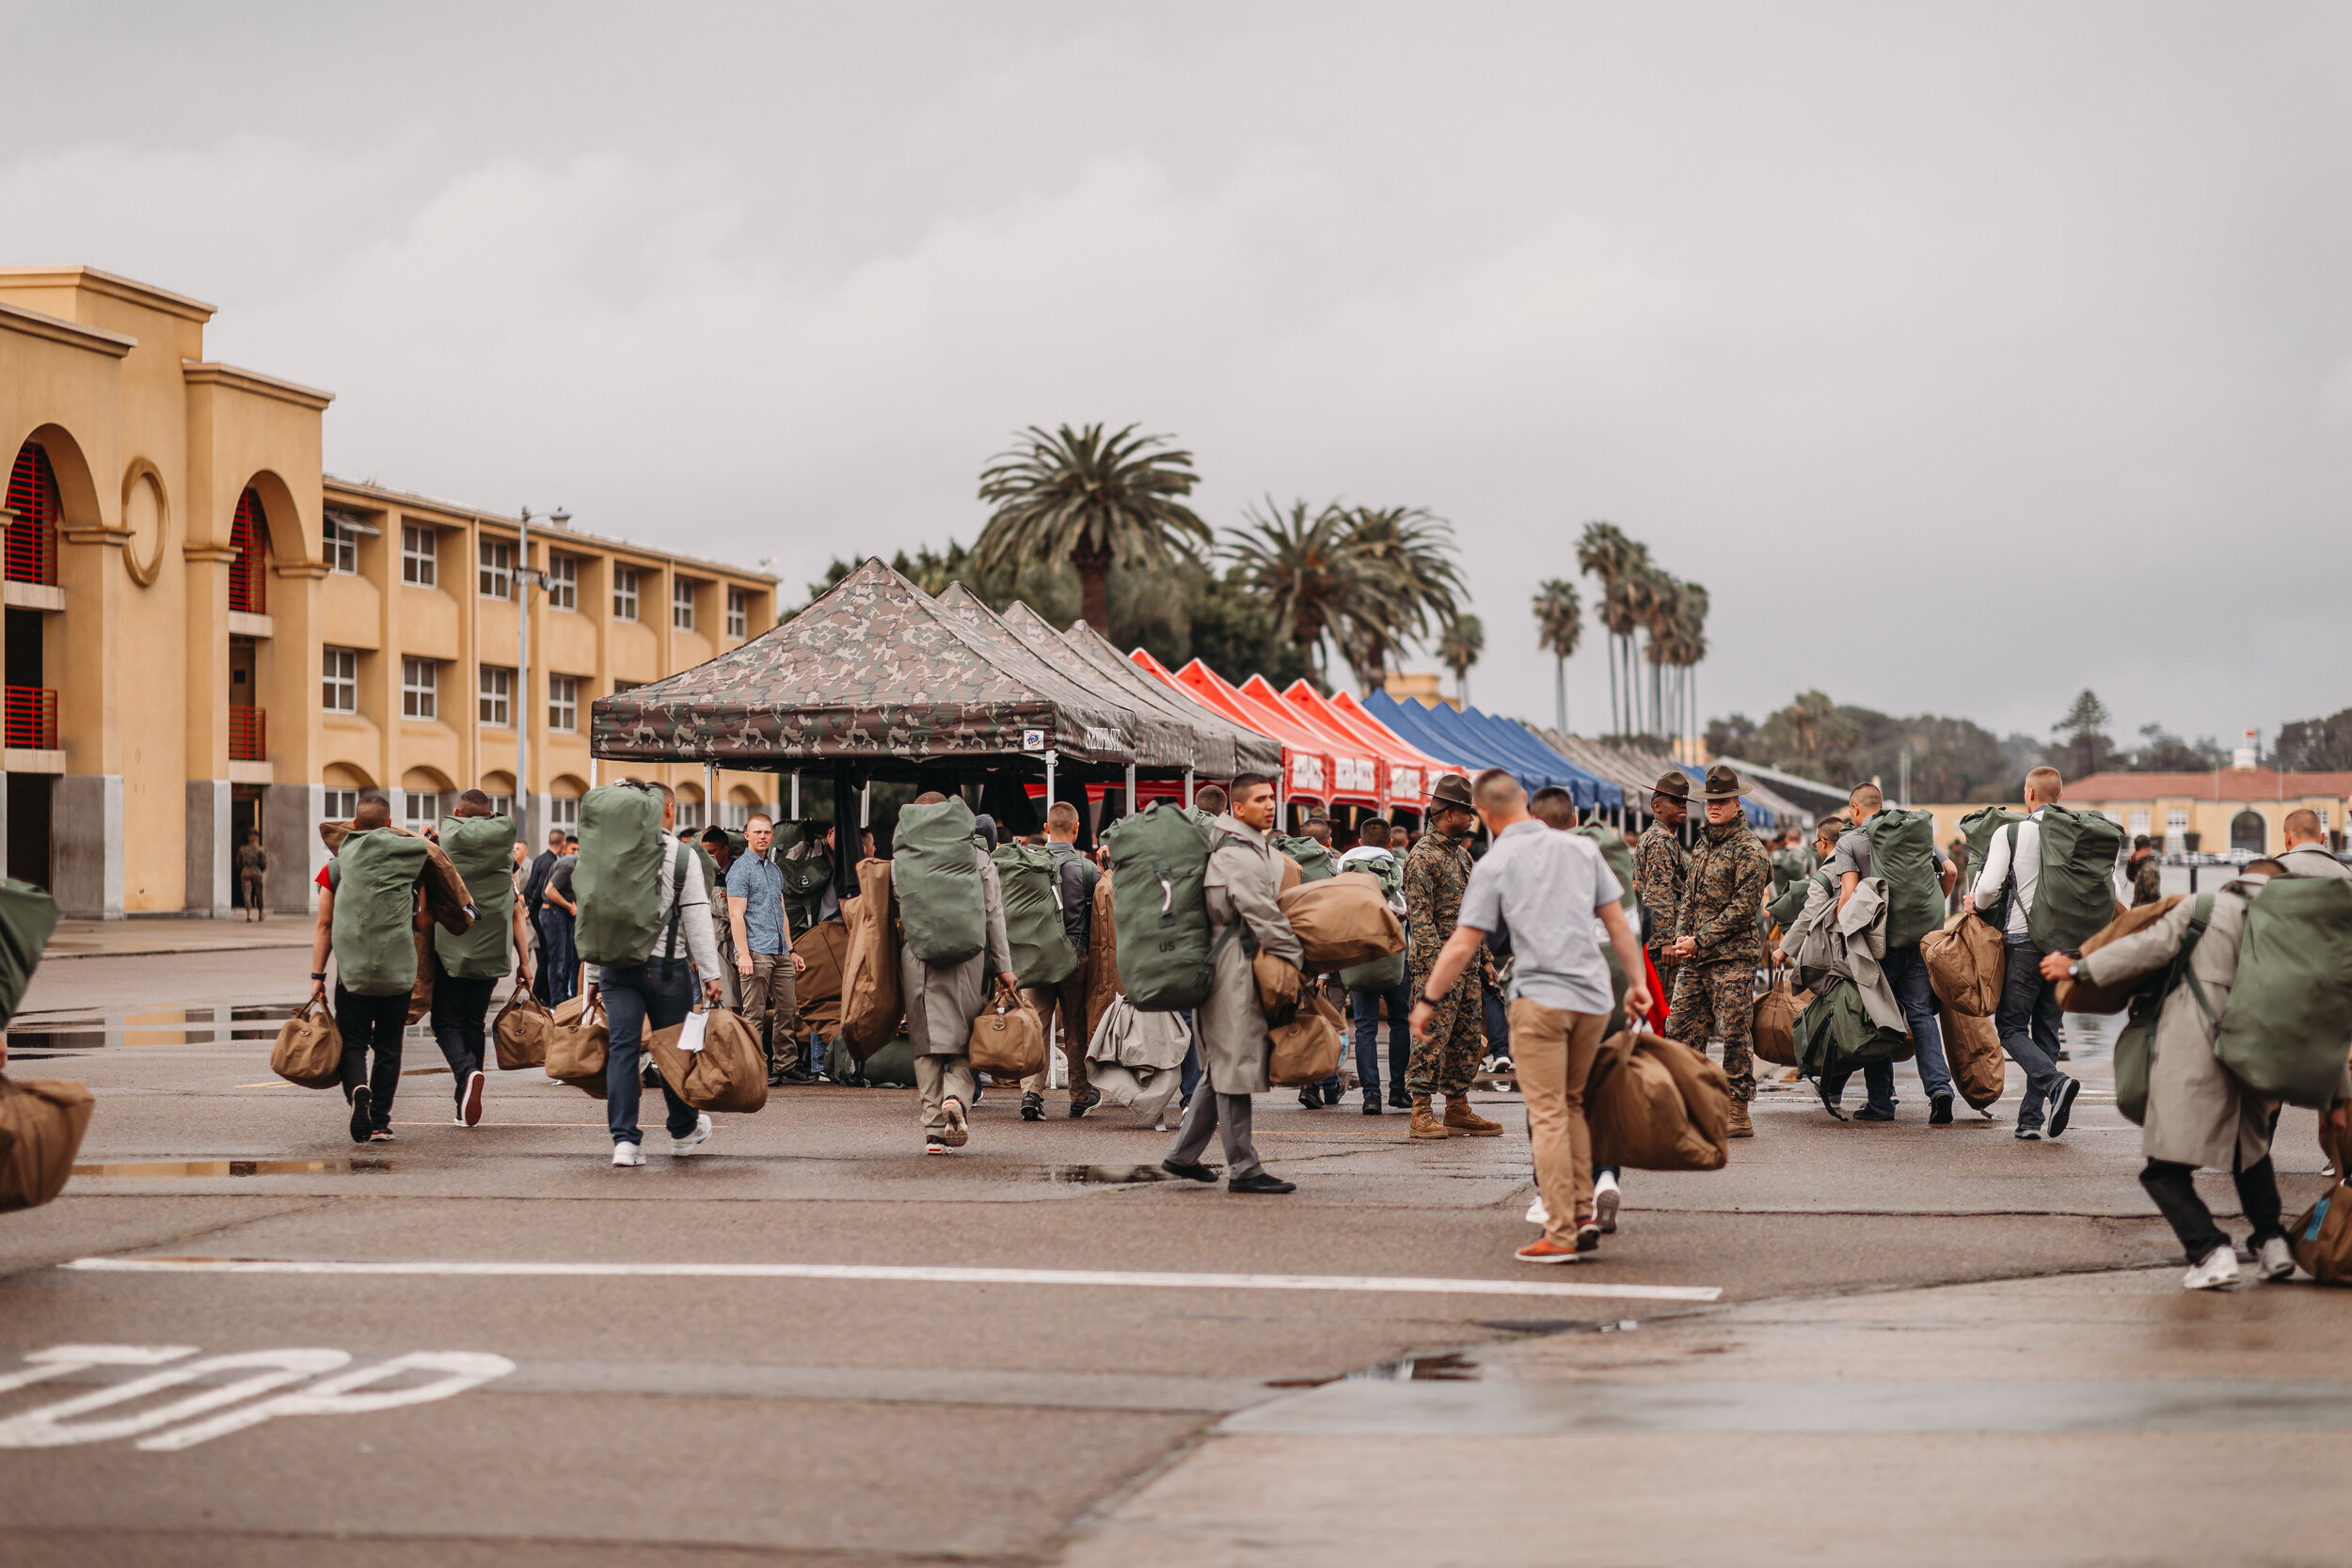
x,y
1074,882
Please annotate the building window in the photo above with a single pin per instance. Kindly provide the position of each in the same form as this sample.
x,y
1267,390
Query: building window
x,y
502,806
689,813
682,604
340,805
739,613
420,809
564,581
339,542
2321,812
32,543
497,695
739,813
420,547
420,689
564,812
249,535
563,702
340,689
2139,824
624,593
497,569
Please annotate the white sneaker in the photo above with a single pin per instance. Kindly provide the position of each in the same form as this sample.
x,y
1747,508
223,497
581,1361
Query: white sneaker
x,y
627,1154
470,1111
1605,1196
1537,1213
2219,1272
2277,1260
959,1130
700,1136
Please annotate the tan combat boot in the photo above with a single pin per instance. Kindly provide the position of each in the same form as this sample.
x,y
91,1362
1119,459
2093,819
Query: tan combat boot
x,y
1464,1122
1425,1122
1740,1126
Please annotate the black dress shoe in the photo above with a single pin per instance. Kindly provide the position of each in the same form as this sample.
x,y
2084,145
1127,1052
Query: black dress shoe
x,y
1872,1113
1032,1108
1085,1102
1311,1097
1940,1111
1189,1172
1372,1104
798,1075
1399,1099
1260,1183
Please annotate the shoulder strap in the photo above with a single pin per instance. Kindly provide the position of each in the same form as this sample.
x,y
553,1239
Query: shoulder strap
x,y
677,900
2200,915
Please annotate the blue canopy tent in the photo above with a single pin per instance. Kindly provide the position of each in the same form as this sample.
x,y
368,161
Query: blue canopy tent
x,y
1442,732
1527,743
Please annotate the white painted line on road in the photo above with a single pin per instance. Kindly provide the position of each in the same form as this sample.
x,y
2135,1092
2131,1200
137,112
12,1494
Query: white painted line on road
x,y
1367,1285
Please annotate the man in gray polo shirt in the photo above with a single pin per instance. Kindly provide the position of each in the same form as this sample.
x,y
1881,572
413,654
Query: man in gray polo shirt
x,y
1549,888
764,960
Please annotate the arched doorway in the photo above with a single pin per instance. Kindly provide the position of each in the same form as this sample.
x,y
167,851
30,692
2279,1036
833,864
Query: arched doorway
x,y
2248,831
32,553
249,574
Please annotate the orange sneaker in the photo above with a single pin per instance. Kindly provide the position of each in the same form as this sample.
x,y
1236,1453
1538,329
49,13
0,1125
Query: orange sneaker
x,y
1543,1250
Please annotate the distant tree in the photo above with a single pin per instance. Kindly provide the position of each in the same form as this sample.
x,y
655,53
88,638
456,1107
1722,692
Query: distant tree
x,y
1404,579
1559,628
1459,645
2317,744
2086,747
1950,759
1091,499
1734,737
2162,751
1300,560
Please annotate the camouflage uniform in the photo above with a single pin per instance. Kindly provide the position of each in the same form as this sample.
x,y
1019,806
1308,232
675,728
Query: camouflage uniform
x,y
1660,864
1436,874
1714,994
2147,880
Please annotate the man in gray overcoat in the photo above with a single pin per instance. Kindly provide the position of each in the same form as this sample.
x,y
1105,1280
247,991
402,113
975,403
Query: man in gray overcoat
x,y
2197,1113
942,1000
1245,873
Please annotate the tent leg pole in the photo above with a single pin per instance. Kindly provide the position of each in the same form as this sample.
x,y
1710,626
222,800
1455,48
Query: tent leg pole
x,y
1187,790
1049,759
865,804
1131,789
795,812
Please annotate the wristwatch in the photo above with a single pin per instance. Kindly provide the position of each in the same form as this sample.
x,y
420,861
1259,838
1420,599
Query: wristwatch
x,y
320,975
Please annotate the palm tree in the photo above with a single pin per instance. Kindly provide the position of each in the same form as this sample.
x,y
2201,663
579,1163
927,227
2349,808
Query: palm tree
x,y
1092,499
1627,589
1301,561
1405,576
1460,644
1559,628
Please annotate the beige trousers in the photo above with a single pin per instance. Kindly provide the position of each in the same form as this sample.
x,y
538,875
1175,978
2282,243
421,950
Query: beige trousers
x,y
937,1079
1068,1000
1552,1050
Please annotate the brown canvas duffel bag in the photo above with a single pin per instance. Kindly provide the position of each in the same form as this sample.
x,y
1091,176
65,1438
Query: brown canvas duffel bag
x,y
1654,1103
729,1073
1103,985
1280,986
577,1035
1775,1027
1008,1039
521,1032
1342,921
309,1049
817,988
2083,996
1966,966
41,1123
871,1006
2321,1236
1307,1048
420,993
1973,1048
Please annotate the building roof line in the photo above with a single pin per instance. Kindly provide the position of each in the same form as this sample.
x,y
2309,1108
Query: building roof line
x,y
40,323
412,497
113,285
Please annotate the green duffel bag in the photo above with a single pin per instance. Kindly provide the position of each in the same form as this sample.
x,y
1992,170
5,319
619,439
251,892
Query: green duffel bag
x,y
892,1067
1976,830
1029,879
937,877
1159,859
1618,856
617,879
1903,854
2076,896
27,915
2288,1017
1834,1035
483,851
375,878
1314,859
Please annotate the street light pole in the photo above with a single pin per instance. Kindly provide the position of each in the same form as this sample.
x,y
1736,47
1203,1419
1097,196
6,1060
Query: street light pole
x,y
523,578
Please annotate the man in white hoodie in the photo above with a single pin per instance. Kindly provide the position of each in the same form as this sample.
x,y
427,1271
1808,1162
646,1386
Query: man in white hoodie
x,y
2027,1016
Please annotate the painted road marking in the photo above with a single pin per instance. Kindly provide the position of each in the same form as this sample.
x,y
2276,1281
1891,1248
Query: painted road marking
x,y
57,1425
1400,1284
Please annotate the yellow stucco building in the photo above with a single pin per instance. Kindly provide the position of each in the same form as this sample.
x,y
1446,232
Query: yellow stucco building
x,y
206,634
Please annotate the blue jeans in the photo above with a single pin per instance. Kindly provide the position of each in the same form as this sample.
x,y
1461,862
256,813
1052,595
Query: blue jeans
x,y
2027,1019
634,996
1907,974
1498,1018
559,961
1365,1007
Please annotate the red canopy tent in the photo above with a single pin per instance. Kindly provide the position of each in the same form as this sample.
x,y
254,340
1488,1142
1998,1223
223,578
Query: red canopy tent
x,y
1408,771
1356,769
1306,760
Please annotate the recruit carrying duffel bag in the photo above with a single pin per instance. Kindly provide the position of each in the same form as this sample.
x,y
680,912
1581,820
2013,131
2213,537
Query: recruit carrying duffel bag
x,y
482,851
725,1070
1976,831
1306,1049
869,1003
2283,1030
617,878
1008,1039
576,1039
1159,859
1342,921
521,1032
935,867
2087,996
41,1123
2076,895
1967,964
1903,854
1313,858
376,943
1653,1103
309,1049
1028,880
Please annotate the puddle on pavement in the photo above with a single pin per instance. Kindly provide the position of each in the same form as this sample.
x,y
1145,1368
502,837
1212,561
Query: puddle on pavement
x,y
233,1167
1444,1367
1101,1175
1560,1325
72,1031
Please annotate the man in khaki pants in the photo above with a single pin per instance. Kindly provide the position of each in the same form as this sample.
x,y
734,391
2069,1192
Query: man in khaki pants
x,y
764,960
1548,889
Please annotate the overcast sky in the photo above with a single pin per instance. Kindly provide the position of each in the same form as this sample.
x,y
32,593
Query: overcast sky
x,y
1969,355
